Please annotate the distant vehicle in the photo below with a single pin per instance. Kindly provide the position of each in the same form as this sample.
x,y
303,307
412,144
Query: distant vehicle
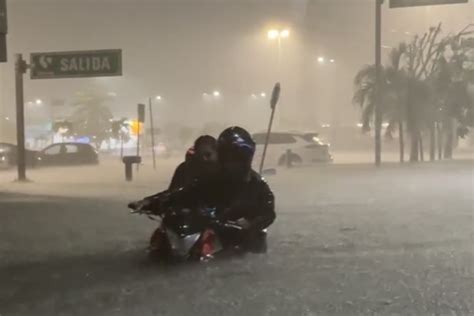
x,y
9,156
305,148
68,154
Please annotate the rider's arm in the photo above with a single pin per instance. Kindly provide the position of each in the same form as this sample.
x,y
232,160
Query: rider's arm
x,y
186,196
265,208
178,179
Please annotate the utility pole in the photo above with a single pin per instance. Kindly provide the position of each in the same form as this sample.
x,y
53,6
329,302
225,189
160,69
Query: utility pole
x,y
152,133
378,70
20,70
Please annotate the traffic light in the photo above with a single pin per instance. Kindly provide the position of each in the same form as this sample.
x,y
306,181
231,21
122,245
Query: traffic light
x,y
3,31
136,128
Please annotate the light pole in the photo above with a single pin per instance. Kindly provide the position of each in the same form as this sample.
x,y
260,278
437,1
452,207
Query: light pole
x,y
378,69
150,100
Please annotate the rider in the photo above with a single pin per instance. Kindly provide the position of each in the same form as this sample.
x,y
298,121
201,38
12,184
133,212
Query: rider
x,y
239,194
200,161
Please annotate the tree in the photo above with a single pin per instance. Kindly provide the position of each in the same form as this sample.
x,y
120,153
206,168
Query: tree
x,y
436,86
92,116
393,91
120,131
439,61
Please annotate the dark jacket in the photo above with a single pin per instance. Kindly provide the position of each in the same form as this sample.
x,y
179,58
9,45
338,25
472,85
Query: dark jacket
x,y
252,200
183,176
191,170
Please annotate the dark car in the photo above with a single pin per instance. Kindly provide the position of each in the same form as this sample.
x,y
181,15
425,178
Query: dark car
x,y
68,154
9,154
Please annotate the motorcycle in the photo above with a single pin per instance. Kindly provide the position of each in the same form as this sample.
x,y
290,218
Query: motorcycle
x,y
188,233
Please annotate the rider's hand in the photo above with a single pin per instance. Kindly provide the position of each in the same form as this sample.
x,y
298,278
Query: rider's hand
x,y
245,224
139,205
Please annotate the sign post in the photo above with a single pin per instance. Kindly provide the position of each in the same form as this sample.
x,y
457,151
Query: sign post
x,y
273,103
20,70
54,65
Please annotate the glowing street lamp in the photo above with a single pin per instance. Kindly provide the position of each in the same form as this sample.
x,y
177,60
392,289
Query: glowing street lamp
x,y
321,60
158,98
278,34
38,102
284,33
216,94
273,34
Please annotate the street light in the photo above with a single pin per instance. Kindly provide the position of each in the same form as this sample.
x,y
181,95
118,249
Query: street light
x,y
277,34
263,94
321,60
332,61
38,102
284,33
273,34
158,97
216,94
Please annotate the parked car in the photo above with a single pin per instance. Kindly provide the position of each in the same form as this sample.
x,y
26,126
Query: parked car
x,y
67,154
303,148
9,154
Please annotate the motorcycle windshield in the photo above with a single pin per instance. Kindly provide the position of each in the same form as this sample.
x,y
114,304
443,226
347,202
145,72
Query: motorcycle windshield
x,y
181,246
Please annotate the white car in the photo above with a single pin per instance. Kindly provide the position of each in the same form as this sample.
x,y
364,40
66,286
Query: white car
x,y
300,148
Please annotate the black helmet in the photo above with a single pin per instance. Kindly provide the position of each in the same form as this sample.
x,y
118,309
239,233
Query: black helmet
x,y
236,145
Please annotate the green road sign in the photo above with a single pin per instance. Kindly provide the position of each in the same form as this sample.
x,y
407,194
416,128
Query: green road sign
x,y
80,64
416,3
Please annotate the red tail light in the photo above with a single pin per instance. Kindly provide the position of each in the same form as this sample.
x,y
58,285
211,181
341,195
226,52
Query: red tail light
x,y
208,240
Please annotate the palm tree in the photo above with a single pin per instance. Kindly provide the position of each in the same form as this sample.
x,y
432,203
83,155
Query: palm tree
x,y
92,117
451,89
393,91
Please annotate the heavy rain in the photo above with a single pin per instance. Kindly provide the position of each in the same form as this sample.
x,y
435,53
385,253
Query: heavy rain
x,y
345,186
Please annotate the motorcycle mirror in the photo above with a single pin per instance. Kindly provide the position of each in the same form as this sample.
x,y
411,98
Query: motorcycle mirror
x,y
269,172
